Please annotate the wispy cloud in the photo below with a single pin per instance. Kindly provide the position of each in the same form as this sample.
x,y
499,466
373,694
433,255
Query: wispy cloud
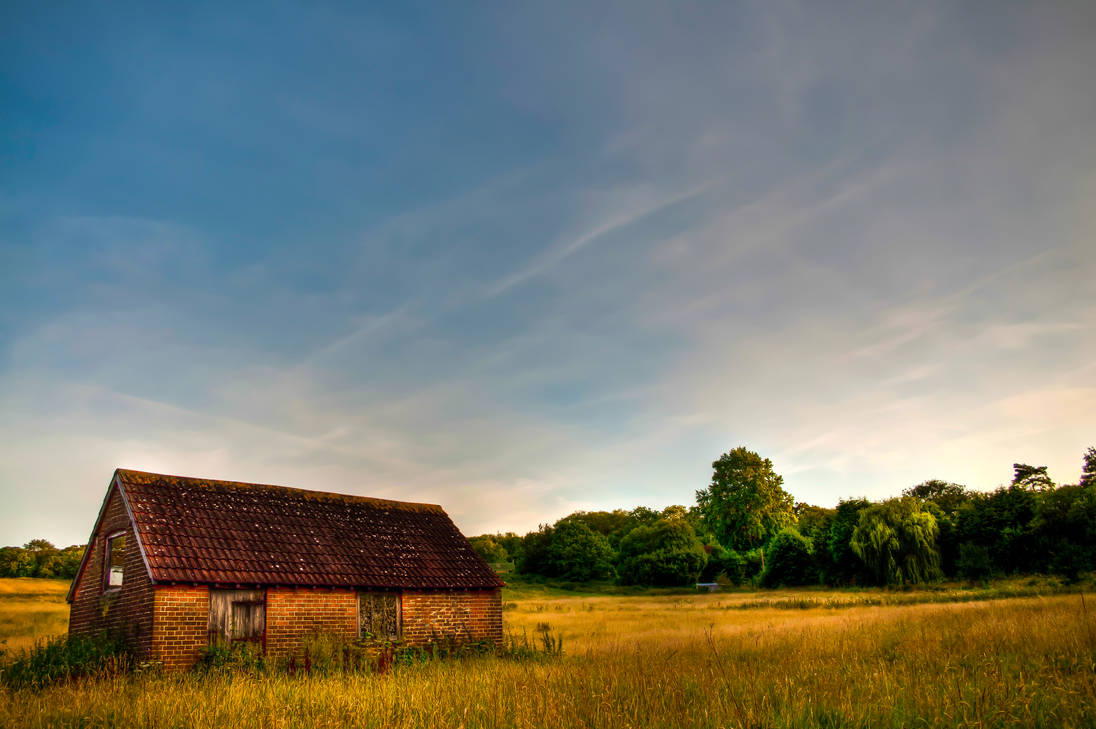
x,y
858,242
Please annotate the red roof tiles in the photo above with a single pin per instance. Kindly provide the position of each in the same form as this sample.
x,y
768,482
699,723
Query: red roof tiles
x,y
224,532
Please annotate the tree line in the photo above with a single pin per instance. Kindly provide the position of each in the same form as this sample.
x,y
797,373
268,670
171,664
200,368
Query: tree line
x,y
39,558
746,528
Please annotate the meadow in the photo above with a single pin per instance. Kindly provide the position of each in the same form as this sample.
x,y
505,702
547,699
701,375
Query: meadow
x,y
1011,654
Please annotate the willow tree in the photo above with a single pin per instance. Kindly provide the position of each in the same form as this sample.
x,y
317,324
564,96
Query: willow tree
x,y
897,541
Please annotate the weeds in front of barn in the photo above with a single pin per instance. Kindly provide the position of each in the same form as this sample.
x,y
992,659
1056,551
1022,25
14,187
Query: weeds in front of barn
x,y
659,662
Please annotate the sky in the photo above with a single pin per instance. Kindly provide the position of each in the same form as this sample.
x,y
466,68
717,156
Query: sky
x,y
520,259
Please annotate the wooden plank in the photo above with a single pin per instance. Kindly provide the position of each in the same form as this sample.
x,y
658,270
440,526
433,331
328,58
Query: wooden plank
x,y
236,615
379,615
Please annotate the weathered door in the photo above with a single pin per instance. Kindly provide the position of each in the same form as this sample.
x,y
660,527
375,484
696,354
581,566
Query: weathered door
x,y
237,615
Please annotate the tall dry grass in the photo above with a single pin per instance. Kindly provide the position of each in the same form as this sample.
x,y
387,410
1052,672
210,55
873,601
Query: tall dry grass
x,y
31,609
669,661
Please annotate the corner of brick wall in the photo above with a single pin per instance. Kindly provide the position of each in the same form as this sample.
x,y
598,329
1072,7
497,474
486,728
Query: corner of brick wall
x,y
463,615
180,624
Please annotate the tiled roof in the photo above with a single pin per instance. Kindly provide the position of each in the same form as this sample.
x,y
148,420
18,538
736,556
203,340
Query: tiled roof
x,y
224,532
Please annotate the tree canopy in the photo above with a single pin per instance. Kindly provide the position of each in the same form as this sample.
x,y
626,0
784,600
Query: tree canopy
x,y
745,504
666,553
897,541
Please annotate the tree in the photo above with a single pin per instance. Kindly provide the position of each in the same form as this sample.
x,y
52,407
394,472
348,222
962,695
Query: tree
x,y
745,504
578,553
1064,530
843,566
667,553
948,496
1001,522
16,562
1088,468
532,558
1031,478
489,548
896,539
790,560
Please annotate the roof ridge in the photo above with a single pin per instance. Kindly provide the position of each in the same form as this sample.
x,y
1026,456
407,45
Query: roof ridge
x,y
149,478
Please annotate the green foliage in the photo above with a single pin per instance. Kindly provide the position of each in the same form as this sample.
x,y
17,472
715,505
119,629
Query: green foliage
x,y
896,539
226,657
489,548
974,562
1088,468
713,567
578,553
1001,522
810,520
39,558
840,564
1031,478
1064,528
66,657
665,554
948,496
734,566
532,557
745,504
755,564
790,560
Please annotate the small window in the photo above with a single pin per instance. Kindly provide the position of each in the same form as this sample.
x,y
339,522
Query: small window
x,y
237,615
379,615
115,561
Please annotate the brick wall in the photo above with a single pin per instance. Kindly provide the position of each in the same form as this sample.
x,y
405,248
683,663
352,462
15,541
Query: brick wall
x,y
473,614
292,615
127,610
170,622
180,628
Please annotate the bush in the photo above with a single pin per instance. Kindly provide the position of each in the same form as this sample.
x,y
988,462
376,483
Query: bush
x,y
664,554
230,657
714,566
578,553
974,562
790,561
734,567
67,657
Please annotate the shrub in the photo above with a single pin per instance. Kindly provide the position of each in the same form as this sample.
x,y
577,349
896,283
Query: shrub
x,y
714,565
755,564
790,561
230,657
666,553
734,567
974,562
578,553
67,657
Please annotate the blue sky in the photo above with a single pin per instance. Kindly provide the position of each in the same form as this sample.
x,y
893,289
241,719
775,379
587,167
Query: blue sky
x,y
522,259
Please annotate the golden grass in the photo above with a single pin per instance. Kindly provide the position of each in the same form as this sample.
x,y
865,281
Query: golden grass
x,y
31,609
665,661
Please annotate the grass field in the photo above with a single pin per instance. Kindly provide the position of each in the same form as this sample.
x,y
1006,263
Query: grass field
x,y
796,658
31,609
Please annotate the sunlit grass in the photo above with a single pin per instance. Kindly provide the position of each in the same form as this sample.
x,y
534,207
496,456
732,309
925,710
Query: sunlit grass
x,y
667,661
31,609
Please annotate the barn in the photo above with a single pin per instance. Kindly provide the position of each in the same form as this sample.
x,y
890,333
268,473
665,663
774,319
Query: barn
x,y
176,563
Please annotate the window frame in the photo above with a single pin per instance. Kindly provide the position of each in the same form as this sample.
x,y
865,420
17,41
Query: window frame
x,y
107,548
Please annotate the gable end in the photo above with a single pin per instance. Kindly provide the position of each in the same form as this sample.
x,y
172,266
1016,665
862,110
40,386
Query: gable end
x,y
116,486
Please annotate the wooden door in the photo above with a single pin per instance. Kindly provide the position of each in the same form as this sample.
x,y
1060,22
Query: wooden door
x,y
237,615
